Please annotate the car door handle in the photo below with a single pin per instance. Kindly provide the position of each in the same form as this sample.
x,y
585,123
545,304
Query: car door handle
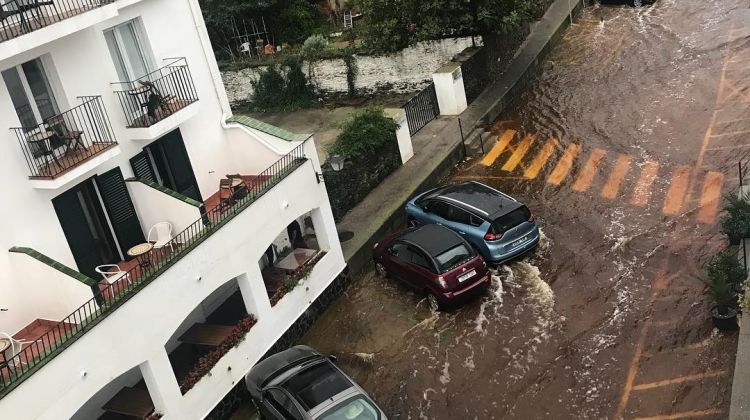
x,y
462,232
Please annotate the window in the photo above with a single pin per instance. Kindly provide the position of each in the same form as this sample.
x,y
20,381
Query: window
x,y
30,92
355,408
401,251
475,221
453,257
511,220
439,208
127,50
418,258
283,404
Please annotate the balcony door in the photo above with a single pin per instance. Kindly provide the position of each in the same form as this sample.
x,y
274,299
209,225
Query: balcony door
x,y
167,163
99,221
30,92
126,46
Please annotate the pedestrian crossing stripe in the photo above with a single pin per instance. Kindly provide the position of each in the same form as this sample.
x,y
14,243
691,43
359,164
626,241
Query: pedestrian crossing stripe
x,y
620,168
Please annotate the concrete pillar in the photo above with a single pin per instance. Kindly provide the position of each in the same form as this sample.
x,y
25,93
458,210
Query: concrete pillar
x,y
449,87
162,385
402,133
254,293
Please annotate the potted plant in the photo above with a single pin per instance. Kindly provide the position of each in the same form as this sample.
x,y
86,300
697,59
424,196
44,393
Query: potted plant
x,y
726,263
724,312
735,223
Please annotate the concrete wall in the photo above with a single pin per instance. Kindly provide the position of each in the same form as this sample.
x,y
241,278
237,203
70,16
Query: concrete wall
x,y
409,70
154,206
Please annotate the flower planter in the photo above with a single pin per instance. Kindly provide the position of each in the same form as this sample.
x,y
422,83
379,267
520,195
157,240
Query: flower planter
x,y
726,322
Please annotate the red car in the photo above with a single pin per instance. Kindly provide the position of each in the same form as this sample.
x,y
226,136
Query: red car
x,y
435,260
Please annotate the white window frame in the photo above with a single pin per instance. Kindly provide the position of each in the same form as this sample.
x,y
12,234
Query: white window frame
x,y
43,63
142,44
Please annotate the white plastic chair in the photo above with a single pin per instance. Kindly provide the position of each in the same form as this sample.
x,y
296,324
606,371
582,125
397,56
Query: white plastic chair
x,y
163,238
112,276
15,348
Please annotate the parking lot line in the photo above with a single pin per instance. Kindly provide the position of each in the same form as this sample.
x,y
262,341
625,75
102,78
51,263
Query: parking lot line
x,y
710,197
732,133
677,190
679,380
500,145
612,187
564,164
684,415
642,192
541,158
519,153
589,170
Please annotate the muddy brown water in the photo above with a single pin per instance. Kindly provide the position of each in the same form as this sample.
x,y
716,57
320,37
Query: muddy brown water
x,y
605,320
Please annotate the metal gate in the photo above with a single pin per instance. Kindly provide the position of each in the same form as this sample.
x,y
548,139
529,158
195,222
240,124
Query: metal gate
x,y
422,109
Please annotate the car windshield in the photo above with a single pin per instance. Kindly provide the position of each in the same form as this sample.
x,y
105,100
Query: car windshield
x,y
511,220
357,408
453,257
316,384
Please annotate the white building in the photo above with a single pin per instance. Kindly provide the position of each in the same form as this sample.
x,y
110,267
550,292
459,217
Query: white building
x,y
90,160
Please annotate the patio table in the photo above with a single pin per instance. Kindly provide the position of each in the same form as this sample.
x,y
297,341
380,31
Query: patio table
x,y
131,402
296,259
142,252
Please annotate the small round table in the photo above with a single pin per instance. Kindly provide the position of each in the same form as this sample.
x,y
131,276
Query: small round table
x,y
143,253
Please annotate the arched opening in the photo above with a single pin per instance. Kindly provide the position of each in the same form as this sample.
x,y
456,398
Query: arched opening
x,y
216,325
126,396
291,255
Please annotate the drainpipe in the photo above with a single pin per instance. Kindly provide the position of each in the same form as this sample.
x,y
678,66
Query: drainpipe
x,y
208,53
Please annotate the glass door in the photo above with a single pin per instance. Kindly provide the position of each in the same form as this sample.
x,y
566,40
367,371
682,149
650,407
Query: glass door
x,y
126,48
30,92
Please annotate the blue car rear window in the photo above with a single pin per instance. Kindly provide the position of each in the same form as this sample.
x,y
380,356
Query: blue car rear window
x,y
511,220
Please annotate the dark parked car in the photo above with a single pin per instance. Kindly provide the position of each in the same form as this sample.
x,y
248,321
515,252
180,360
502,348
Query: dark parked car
x,y
496,224
302,384
435,260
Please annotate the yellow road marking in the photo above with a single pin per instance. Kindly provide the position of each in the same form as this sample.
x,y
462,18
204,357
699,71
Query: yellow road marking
x,y
612,187
488,177
541,158
677,190
684,415
710,197
679,380
499,147
634,363
518,154
642,192
563,166
587,174
732,133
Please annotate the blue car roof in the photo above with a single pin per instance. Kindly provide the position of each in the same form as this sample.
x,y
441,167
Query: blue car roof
x,y
477,198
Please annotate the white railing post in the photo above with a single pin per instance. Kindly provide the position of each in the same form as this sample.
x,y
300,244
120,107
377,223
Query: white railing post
x,y
402,133
449,87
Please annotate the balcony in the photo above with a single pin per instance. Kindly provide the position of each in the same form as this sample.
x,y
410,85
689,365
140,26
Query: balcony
x,y
78,138
110,297
155,103
24,17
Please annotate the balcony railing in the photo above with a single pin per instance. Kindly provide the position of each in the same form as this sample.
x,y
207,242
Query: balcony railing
x,y
66,140
53,342
19,17
157,95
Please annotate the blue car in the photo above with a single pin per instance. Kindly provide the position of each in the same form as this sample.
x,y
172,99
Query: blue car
x,y
494,223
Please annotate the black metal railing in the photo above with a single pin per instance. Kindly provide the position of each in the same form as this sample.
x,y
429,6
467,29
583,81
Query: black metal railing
x,y
66,140
54,341
19,17
157,95
421,109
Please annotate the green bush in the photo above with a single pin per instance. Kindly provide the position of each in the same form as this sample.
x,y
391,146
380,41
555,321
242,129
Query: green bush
x,y
282,88
726,264
735,222
314,47
364,133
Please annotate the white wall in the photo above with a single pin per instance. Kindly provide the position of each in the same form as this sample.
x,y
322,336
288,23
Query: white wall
x,y
81,65
58,390
153,206
409,70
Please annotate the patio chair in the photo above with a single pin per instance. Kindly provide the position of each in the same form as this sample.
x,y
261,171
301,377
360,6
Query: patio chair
x,y
239,191
45,149
16,346
163,232
72,138
113,276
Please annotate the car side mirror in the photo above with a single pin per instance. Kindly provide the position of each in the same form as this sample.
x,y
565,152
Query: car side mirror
x,y
333,359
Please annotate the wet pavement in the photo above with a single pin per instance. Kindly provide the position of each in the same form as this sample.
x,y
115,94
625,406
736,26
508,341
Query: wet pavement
x,y
623,148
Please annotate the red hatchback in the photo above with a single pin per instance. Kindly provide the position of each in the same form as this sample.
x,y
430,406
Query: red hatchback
x,y
435,260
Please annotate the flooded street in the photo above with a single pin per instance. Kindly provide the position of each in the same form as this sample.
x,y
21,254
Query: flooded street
x,y
623,148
